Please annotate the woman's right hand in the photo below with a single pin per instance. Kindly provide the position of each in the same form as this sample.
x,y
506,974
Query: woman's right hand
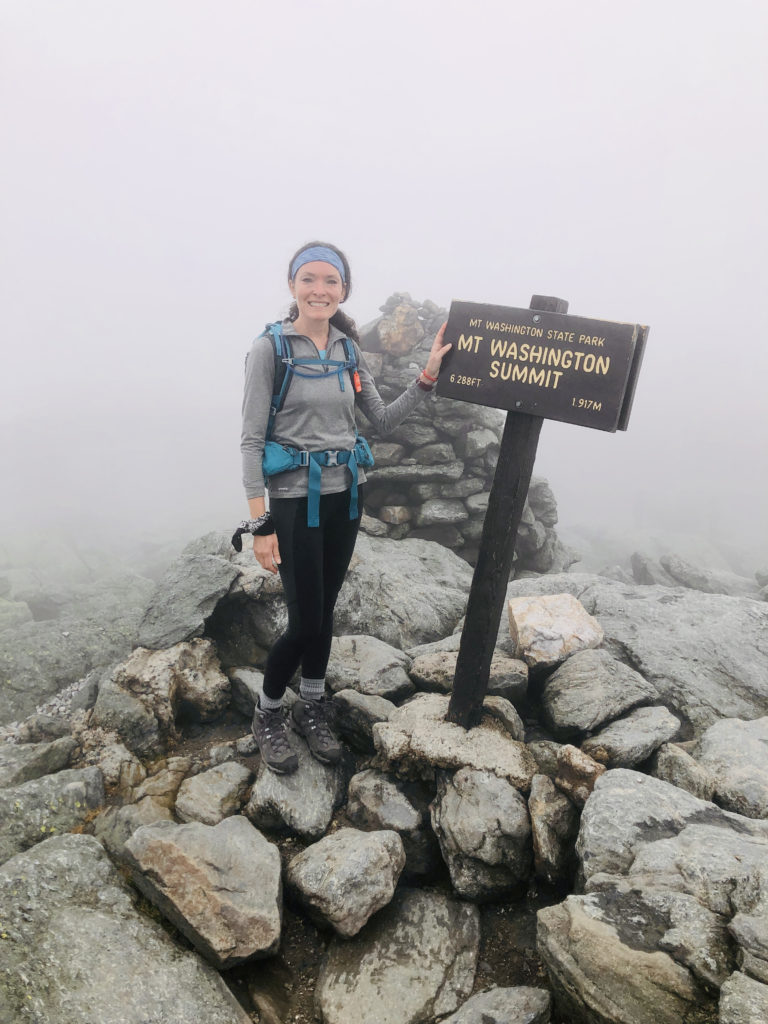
x,y
267,552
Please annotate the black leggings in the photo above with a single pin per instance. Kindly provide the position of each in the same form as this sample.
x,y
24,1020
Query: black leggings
x,y
314,562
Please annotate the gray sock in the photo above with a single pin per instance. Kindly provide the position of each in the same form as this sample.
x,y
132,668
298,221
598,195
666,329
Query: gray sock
x,y
268,704
311,689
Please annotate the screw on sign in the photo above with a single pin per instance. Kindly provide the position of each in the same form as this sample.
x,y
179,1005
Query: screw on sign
x,y
538,363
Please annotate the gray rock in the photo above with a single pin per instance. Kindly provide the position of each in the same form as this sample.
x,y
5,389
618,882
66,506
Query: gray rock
x,y
247,684
185,598
346,877
735,753
13,613
417,740
751,933
482,825
589,689
706,655
554,824
476,442
461,489
22,762
378,801
649,572
413,434
35,810
708,580
81,952
672,764
376,972
504,1006
404,474
439,511
743,1001
547,630
98,627
388,454
355,716
233,911
115,826
595,976
40,728
632,739
434,454
163,784
546,753
434,672
628,809
213,795
370,666
373,527
302,803
375,600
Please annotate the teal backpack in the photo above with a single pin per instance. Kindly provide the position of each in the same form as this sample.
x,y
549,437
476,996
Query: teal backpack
x,y
279,458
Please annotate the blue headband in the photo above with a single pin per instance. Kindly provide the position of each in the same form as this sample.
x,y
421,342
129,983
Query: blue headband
x,y
318,252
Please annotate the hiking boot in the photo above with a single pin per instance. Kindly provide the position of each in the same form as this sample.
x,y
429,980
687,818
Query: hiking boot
x,y
270,730
310,719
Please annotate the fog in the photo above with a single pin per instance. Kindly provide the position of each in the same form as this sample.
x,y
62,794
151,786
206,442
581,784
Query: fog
x,y
163,159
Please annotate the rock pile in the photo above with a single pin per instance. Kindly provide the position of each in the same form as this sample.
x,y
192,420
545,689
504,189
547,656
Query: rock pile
x,y
433,474
623,756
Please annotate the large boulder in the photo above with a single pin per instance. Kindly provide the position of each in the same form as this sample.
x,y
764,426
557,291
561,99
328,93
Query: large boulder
x,y
370,666
705,655
220,885
735,754
213,795
664,873
40,808
25,761
76,949
375,978
521,1005
482,825
632,739
97,626
591,688
346,877
547,630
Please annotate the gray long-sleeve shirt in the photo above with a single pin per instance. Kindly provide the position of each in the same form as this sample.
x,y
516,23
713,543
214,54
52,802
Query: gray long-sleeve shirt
x,y
317,414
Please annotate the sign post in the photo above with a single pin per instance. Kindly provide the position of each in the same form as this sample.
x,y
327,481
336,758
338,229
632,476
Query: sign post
x,y
538,363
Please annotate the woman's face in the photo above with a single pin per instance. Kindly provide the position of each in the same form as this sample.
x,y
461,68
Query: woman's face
x,y
318,290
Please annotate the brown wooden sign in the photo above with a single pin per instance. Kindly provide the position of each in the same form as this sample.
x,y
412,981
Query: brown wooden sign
x,y
561,367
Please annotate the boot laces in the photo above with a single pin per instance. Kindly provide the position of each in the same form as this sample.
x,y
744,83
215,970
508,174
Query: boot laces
x,y
317,717
275,731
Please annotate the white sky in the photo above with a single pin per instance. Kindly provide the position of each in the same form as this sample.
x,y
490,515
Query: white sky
x,y
162,159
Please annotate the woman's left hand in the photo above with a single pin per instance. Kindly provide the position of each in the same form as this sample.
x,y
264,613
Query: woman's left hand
x,y
437,352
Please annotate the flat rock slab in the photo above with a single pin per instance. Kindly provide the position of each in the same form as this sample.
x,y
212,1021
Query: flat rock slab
x,y
417,740
735,753
78,952
632,739
414,961
706,655
213,795
220,885
35,810
547,630
347,876
115,826
22,762
370,666
521,1005
590,689
303,802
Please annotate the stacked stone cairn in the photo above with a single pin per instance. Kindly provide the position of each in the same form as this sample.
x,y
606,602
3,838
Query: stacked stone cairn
x,y
434,472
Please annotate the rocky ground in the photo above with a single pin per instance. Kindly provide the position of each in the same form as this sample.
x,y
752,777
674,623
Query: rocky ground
x,y
595,850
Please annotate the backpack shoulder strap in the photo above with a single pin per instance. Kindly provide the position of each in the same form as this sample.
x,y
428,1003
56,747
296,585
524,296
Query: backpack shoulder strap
x,y
283,372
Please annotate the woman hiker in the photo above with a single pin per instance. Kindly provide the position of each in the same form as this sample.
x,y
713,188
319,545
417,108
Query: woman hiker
x,y
313,465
